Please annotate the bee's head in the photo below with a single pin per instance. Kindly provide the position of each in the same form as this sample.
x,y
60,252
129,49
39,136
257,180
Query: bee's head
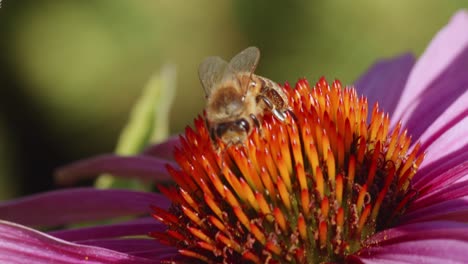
x,y
232,132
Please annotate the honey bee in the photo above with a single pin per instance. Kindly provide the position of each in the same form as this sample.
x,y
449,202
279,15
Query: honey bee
x,y
237,98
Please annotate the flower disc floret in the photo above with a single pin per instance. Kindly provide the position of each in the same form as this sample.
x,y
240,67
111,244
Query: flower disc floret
x,y
307,190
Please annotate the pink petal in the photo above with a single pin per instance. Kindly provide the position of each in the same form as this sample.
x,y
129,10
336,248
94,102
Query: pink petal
x,y
429,186
441,52
453,143
164,150
139,227
431,242
419,231
435,173
453,210
140,247
446,193
141,167
446,96
19,244
448,133
428,251
77,205
385,80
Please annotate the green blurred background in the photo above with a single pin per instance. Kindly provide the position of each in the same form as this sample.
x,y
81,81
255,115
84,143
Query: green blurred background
x,y
71,70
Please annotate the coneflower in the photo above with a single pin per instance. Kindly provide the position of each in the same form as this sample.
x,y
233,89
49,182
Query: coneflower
x,y
338,181
310,189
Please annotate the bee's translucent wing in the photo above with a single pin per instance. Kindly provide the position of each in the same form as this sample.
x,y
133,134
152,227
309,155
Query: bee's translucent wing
x,y
245,61
210,72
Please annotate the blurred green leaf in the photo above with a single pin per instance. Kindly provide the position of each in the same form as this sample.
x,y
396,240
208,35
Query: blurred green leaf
x,y
148,123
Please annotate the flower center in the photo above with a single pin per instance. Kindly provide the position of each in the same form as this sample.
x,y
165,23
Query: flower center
x,y
309,189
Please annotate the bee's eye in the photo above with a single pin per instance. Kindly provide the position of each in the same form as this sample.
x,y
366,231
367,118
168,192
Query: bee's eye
x,y
221,128
242,123
213,134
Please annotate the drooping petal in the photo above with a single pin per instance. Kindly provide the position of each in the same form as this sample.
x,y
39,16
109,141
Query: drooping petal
x,y
454,210
448,45
449,132
432,188
454,144
20,244
428,230
140,247
386,79
430,242
435,173
141,167
76,205
429,251
138,227
437,99
164,150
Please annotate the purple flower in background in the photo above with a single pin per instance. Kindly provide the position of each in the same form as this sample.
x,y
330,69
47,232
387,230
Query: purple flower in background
x,y
365,198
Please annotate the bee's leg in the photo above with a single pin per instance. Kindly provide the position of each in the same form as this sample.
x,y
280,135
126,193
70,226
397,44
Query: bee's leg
x,y
214,139
281,116
291,113
257,123
255,119
267,101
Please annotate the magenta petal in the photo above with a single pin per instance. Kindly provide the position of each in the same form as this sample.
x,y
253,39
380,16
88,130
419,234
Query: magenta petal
x,y
435,173
453,210
437,99
19,244
140,247
164,150
137,227
451,116
419,231
449,151
77,205
448,133
446,193
428,185
141,167
447,45
428,251
385,80
430,242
